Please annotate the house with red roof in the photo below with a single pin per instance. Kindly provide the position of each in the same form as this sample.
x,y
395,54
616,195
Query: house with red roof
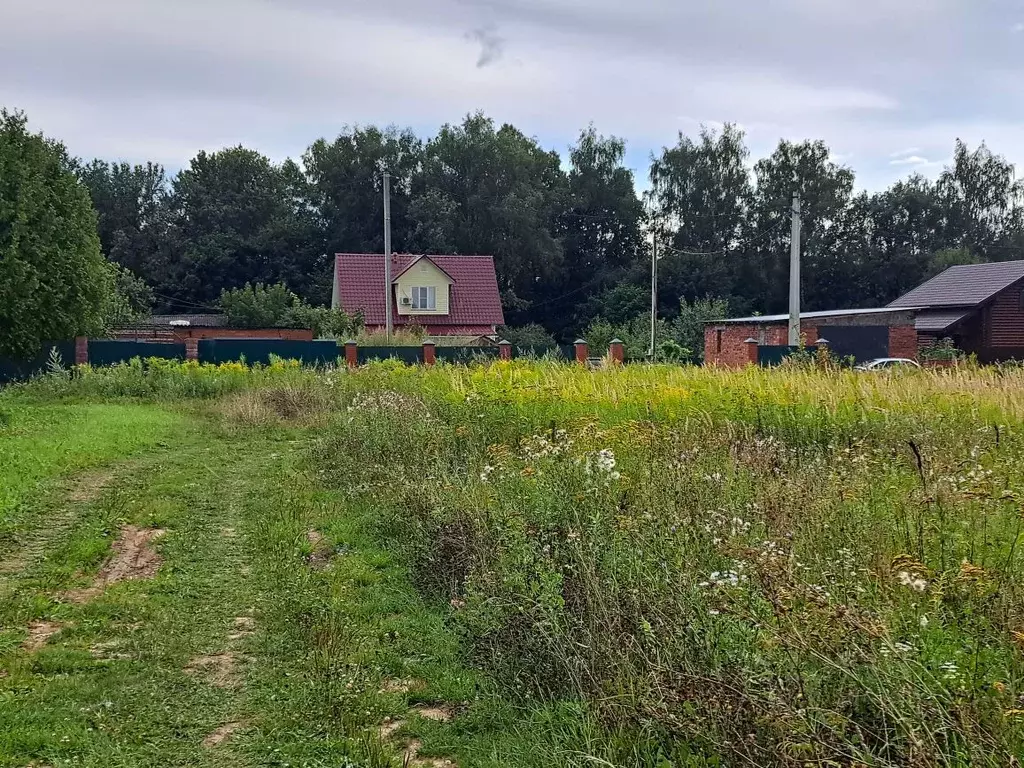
x,y
445,295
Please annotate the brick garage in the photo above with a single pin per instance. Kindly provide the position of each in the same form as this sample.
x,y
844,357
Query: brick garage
x,y
725,342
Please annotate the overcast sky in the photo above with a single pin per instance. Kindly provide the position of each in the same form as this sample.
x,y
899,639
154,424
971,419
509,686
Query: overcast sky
x,y
888,84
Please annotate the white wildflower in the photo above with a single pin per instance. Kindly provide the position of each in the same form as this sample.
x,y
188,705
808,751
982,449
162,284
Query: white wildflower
x,y
908,579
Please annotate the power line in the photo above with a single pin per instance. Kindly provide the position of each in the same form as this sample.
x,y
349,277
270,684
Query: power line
x,y
183,303
749,244
587,287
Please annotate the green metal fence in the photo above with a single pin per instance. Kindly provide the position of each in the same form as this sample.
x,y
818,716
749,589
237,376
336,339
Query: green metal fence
x,y
19,370
111,352
769,356
462,355
259,351
408,355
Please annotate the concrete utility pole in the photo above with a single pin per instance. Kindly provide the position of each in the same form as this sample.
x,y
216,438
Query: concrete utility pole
x,y
387,256
794,269
654,287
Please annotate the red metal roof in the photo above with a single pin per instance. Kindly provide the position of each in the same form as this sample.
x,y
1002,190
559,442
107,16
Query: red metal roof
x,y
474,301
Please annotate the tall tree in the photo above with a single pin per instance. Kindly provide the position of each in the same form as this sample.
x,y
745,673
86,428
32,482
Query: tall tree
x,y
701,194
600,230
826,190
239,218
346,186
899,229
493,191
983,202
131,203
54,281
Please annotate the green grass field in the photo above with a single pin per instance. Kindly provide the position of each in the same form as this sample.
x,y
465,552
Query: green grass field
x,y
522,564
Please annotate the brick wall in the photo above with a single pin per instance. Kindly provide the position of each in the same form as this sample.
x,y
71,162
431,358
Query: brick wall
x,y
726,345
903,341
734,352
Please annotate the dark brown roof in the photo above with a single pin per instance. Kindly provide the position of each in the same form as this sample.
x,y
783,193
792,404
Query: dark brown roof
x,y
964,286
935,322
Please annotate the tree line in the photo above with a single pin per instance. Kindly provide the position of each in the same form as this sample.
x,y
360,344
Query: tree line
x,y
571,236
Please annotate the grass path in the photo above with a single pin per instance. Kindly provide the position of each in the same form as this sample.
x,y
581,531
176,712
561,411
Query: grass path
x,y
242,647
274,630
146,670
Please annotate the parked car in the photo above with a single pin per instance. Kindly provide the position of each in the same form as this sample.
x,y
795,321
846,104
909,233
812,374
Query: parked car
x,y
887,363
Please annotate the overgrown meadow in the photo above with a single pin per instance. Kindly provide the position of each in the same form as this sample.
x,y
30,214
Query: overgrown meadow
x,y
786,567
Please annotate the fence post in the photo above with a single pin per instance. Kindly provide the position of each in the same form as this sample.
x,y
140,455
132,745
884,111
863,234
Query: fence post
x,y
429,353
616,351
582,351
351,354
504,350
752,357
81,350
191,348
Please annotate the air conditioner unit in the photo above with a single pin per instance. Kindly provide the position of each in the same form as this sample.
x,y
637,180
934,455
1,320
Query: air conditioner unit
x,y
406,301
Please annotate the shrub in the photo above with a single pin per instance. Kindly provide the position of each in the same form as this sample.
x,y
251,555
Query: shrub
x,y
942,349
532,337
274,306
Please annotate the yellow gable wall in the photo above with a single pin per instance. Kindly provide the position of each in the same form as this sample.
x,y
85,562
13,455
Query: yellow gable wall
x,y
423,275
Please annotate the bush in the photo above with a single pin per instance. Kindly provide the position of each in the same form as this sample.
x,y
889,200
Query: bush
x,y
687,328
942,349
635,336
532,337
260,306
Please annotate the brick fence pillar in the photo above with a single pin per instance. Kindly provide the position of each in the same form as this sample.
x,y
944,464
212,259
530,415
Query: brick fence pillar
x,y
616,351
191,348
351,354
582,351
429,353
504,350
81,350
751,345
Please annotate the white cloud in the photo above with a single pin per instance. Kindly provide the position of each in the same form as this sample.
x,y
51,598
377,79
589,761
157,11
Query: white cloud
x,y
1018,27
912,160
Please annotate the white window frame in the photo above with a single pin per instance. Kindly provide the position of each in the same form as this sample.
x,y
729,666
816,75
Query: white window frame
x,y
424,297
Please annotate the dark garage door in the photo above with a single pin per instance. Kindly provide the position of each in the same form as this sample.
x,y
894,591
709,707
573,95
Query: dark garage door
x,y
862,342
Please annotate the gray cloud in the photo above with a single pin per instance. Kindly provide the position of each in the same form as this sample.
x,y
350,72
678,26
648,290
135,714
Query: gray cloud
x,y
492,45
154,79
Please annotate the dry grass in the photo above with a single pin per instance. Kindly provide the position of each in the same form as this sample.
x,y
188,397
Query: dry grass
x,y
297,403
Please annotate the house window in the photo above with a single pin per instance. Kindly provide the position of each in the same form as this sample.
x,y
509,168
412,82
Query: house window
x,y
718,340
424,297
